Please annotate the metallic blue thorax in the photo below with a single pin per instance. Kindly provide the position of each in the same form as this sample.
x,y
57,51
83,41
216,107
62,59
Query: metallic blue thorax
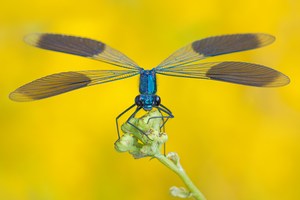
x,y
148,88
148,82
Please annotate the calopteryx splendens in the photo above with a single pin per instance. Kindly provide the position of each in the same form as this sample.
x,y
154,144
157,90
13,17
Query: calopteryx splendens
x,y
182,63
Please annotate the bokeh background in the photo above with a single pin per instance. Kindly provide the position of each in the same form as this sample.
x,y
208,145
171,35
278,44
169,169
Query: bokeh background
x,y
235,142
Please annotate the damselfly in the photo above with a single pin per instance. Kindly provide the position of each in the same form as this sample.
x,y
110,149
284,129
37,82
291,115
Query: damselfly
x,y
182,63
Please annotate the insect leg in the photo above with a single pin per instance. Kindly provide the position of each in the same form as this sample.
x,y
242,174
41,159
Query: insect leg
x,y
165,110
132,116
120,115
162,110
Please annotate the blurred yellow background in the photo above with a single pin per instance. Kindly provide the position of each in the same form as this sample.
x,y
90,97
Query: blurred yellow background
x,y
236,142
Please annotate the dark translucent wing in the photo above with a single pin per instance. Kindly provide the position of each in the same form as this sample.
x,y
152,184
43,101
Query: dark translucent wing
x,y
214,46
82,47
233,72
66,81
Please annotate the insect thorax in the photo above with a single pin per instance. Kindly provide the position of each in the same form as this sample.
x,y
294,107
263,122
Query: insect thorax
x,y
148,82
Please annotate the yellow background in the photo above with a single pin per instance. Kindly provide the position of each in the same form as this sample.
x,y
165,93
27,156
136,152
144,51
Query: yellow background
x,y
235,142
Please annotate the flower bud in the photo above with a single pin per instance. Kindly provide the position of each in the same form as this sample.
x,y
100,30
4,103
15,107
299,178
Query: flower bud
x,y
180,192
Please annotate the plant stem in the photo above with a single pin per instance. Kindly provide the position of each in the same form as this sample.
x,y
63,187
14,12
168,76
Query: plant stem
x,y
181,173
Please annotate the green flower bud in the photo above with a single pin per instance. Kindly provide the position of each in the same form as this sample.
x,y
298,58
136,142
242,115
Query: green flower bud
x,y
180,192
125,143
146,142
173,157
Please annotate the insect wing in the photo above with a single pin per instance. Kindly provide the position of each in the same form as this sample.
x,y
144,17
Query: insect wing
x,y
214,46
233,72
66,81
82,47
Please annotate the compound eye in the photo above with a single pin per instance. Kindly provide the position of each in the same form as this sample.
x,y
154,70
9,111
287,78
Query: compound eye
x,y
156,101
138,101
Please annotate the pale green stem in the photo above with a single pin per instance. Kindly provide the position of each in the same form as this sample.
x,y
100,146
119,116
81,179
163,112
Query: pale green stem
x,y
181,173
